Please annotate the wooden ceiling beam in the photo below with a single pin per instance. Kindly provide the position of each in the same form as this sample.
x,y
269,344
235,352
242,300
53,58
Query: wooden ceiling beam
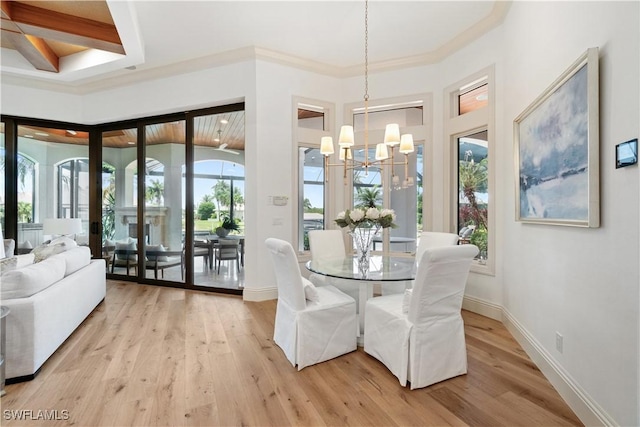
x,y
66,28
5,6
35,50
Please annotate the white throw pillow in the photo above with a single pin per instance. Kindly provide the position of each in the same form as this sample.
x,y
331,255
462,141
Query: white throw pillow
x,y
24,282
68,242
128,246
406,300
44,251
7,264
25,259
310,291
75,259
25,245
157,248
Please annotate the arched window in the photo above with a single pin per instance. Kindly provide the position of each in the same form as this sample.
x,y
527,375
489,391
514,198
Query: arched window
x,y
73,189
26,185
220,182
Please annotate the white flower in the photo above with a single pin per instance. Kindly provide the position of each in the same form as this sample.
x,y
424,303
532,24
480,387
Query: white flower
x,y
341,215
356,215
387,212
373,213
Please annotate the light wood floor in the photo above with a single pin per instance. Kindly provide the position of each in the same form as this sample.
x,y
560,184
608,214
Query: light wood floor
x,y
159,356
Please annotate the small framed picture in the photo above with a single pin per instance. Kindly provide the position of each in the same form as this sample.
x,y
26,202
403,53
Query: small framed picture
x,y
627,153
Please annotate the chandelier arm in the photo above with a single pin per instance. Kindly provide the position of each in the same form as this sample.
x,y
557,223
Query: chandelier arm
x,y
355,164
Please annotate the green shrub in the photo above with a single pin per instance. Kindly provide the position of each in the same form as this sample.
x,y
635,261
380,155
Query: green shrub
x,y
479,238
205,210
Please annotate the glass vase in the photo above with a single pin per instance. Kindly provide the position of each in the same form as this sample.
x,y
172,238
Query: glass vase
x,y
363,242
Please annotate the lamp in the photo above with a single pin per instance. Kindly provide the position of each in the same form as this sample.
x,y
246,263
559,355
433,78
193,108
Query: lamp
x,y
62,226
392,136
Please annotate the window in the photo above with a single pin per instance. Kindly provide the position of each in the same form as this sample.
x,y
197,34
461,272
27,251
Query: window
x,y
26,183
311,117
73,189
108,201
216,184
118,187
313,121
469,128
473,191
312,193
397,187
473,99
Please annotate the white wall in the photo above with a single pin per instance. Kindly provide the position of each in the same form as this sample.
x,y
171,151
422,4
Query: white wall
x,y
198,89
40,103
274,156
580,282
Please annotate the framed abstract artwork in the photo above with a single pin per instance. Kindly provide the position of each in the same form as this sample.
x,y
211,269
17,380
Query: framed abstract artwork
x,y
557,150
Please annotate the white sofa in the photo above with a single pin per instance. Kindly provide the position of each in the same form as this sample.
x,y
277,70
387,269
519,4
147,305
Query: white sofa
x,y
48,301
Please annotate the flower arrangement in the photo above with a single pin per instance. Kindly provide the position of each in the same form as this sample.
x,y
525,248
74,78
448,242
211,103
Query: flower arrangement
x,y
363,225
366,218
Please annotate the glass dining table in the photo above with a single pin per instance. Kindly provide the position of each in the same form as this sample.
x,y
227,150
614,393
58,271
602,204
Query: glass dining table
x,y
382,269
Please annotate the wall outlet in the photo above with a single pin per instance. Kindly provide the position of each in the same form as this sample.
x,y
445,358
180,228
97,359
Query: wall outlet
x,y
559,341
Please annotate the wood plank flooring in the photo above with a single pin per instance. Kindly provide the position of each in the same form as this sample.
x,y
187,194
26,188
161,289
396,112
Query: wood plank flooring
x,y
153,356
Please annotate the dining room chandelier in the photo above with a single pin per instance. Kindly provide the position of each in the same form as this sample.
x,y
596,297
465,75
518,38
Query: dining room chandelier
x,y
392,137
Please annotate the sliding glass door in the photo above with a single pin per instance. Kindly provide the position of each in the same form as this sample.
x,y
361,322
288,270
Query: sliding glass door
x,y
218,200
154,197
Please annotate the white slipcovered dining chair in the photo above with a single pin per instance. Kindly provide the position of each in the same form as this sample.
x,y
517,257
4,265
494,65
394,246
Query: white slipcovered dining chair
x,y
428,239
330,244
326,244
419,335
435,239
312,324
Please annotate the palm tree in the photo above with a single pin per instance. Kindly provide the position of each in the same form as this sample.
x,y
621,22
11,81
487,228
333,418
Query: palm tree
x,y
25,167
473,178
222,195
207,198
155,192
238,199
25,211
307,205
109,203
368,197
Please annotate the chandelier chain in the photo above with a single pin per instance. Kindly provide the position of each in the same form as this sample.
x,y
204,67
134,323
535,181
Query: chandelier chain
x,y
366,50
366,87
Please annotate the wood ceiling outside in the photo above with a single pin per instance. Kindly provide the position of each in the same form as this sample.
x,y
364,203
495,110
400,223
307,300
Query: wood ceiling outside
x,y
45,31
474,99
205,133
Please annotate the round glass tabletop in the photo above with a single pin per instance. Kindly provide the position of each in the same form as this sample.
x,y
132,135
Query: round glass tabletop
x,y
381,268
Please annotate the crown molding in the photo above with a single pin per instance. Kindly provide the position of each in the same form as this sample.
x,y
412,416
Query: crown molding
x,y
253,53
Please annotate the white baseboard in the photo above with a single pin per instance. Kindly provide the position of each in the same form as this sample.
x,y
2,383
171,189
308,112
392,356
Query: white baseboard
x,y
484,308
260,294
589,412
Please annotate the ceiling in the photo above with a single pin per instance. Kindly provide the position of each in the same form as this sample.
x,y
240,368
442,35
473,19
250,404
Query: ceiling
x,y
159,37
324,36
46,32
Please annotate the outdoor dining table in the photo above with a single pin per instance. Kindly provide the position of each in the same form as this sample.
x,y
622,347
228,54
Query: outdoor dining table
x,y
211,242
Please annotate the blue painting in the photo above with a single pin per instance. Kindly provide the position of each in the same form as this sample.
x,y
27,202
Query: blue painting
x,y
554,154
